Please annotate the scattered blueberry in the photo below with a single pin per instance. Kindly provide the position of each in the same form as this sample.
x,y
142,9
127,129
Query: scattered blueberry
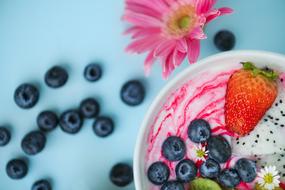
x,y
210,169
42,185
89,108
158,173
121,174
34,142
103,126
246,169
5,136
199,131
56,77
172,185
17,169
71,121
26,96
219,149
93,72
224,40
133,93
186,171
229,178
47,120
173,148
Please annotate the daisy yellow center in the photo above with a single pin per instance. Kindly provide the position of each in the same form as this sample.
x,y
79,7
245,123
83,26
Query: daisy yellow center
x,y
200,153
181,21
268,178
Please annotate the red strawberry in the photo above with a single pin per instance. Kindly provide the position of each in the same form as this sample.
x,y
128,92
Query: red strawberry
x,y
250,93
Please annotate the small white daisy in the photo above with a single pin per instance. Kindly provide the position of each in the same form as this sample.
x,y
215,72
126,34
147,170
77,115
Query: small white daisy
x,y
268,178
201,152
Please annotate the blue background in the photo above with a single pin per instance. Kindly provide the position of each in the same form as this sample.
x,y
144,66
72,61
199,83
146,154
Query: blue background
x,y
37,34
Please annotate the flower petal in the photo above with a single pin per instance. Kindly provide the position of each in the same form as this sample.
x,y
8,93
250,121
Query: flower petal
x,y
132,30
142,20
273,169
276,181
212,15
167,65
143,44
260,181
275,172
193,50
170,2
217,12
140,32
143,9
269,186
198,33
155,5
178,58
226,10
203,6
164,48
181,45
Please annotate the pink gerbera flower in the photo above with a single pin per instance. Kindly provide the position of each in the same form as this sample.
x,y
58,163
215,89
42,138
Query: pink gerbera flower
x,y
169,30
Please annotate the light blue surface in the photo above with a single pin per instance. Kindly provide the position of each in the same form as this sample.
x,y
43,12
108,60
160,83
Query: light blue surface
x,y
34,35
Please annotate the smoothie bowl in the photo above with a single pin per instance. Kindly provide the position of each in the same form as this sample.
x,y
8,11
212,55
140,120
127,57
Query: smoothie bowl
x,y
217,125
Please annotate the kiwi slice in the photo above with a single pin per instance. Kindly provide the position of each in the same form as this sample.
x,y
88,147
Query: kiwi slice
x,y
204,184
258,187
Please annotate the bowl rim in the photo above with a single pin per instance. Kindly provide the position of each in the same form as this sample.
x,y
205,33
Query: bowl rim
x,y
165,89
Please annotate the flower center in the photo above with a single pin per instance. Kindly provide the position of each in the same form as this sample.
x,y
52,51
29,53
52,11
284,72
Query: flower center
x,y
268,178
184,22
180,21
200,153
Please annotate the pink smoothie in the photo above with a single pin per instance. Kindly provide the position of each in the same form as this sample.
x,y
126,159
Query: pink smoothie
x,y
202,96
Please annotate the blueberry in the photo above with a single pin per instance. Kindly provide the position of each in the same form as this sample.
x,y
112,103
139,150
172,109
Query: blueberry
x,y
17,169
246,169
199,131
158,173
173,148
103,126
121,174
224,40
219,149
172,185
93,72
229,178
186,171
47,120
56,77
133,93
210,169
42,184
34,142
26,96
5,136
71,121
89,108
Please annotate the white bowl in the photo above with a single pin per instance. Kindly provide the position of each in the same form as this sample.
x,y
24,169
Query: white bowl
x,y
260,58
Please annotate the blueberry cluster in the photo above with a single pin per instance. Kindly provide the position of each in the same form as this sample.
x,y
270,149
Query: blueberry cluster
x,y
219,151
70,121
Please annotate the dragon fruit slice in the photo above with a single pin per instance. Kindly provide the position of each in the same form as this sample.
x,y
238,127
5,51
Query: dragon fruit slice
x,y
269,135
277,160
